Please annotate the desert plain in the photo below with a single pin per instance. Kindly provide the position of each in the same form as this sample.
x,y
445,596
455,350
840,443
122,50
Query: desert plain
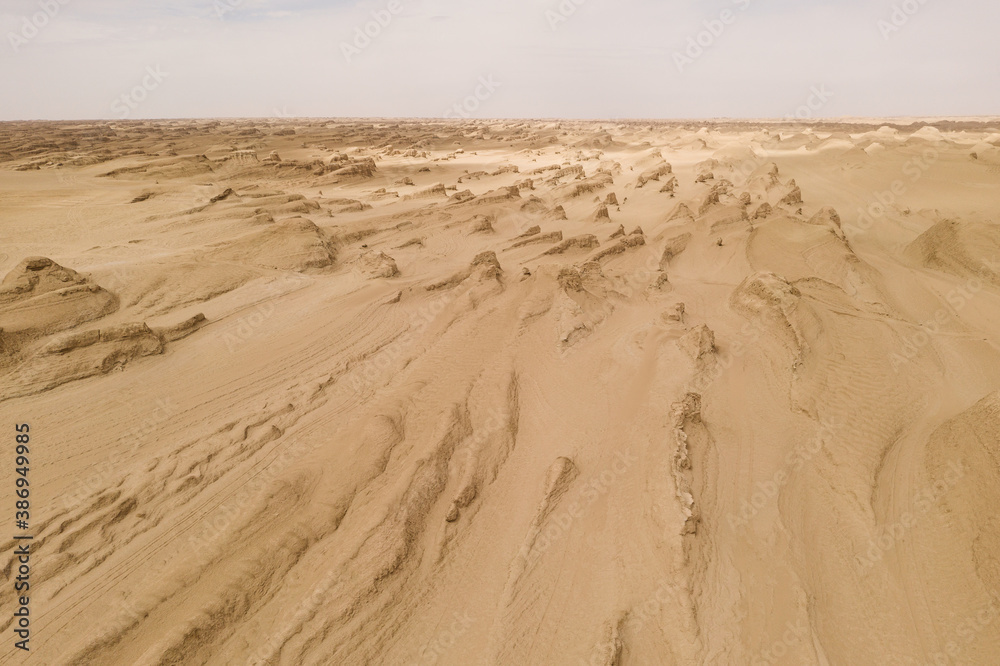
x,y
504,392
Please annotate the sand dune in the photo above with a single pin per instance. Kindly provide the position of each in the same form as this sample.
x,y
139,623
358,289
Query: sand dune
x,y
413,392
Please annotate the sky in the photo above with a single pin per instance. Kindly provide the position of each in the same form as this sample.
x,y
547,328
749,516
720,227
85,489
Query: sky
x,y
601,59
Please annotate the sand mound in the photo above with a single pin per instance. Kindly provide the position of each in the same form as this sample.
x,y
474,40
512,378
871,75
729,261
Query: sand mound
x,y
530,231
653,174
182,329
349,169
75,356
736,155
585,186
584,242
698,343
965,249
769,298
619,247
534,206
764,177
377,265
537,239
986,153
830,218
462,197
485,267
928,133
673,248
499,196
793,197
482,224
153,288
295,244
40,297
682,212
962,458
437,190
168,169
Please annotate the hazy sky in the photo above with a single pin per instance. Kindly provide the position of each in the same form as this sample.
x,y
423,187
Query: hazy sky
x,y
68,59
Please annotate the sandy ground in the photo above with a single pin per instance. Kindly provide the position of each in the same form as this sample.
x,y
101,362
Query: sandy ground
x,y
355,392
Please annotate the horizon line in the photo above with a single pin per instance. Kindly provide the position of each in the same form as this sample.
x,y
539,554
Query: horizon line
x,y
902,119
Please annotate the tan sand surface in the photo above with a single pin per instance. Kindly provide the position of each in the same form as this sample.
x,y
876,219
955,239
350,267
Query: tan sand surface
x,y
514,392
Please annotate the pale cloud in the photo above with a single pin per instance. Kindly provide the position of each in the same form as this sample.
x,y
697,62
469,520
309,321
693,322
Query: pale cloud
x,y
558,58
